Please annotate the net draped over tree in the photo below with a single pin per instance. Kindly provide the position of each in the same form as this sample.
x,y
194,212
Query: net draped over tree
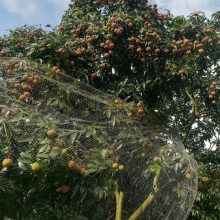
x,y
69,148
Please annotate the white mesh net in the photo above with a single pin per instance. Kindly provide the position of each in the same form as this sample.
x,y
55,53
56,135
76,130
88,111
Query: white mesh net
x,y
69,151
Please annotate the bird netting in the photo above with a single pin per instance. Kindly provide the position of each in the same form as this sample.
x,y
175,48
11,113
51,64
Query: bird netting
x,y
69,151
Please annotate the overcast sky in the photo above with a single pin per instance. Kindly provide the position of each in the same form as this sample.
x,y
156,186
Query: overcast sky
x,y
14,13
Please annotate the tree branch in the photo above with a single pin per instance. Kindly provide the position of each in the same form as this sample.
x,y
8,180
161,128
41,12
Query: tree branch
x,y
141,209
148,200
119,203
195,114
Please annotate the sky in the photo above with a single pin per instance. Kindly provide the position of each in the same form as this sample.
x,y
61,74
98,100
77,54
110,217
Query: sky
x,y
15,13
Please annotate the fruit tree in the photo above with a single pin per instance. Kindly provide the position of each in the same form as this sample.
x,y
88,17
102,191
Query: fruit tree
x,y
168,66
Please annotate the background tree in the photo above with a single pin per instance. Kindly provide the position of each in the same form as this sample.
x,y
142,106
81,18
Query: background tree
x,y
130,49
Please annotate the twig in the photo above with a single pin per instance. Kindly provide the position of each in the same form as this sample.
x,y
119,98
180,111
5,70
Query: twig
x,y
194,105
195,114
186,133
8,139
155,186
119,203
